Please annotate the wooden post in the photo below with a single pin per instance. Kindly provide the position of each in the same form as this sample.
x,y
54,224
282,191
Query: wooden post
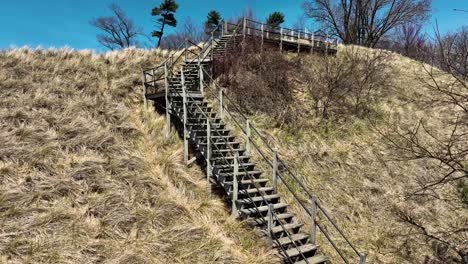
x,y
275,172
200,73
184,102
222,28
261,28
244,26
185,50
212,55
326,45
270,219
221,104
281,38
208,154
145,102
247,139
362,258
235,187
312,48
298,42
168,105
313,222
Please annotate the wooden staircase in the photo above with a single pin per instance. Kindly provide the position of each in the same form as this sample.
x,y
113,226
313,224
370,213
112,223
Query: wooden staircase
x,y
255,196
228,161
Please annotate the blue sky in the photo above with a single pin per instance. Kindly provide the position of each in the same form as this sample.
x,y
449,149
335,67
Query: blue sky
x,y
58,23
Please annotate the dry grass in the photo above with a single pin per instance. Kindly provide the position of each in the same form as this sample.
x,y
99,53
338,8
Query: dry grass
x,y
350,168
87,176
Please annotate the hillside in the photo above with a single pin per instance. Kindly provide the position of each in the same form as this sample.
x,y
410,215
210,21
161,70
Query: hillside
x,y
348,163
86,175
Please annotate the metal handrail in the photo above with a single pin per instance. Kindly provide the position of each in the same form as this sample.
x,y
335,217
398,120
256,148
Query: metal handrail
x,y
209,120
282,176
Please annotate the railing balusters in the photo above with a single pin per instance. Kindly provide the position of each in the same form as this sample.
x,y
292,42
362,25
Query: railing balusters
x,y
313,222
271,209
275,172
221,104
247,137
184,102
168,116
200,73
145,102
362,258
281,39
235,186
208,154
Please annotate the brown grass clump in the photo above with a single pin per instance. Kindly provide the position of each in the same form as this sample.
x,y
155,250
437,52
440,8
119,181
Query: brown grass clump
x,y
86,175
347,164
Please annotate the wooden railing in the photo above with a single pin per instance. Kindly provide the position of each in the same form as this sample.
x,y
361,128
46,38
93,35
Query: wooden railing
x,y
281,35
320,219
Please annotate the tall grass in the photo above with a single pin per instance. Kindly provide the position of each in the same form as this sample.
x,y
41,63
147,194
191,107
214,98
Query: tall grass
x,y
87,176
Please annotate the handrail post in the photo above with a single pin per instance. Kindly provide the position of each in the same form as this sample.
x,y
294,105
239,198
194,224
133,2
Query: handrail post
x,y
222,28
275,172
247,134
200,72
244,26
145,101
261,45
312,37
208,154
362,258
313,221
326,45
270,219
281,39
212,55
186,49
168,116
235,187
221,104
184,101
298,42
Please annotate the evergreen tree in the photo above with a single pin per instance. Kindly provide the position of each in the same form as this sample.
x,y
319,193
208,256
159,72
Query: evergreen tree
x,y
212,21
275,19
166,12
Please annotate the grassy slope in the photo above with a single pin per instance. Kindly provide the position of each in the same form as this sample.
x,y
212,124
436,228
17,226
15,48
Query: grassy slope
x,y
87,176
349,168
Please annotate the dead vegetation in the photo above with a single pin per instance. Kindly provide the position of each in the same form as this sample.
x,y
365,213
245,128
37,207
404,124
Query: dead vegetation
x,y
86,176
340,149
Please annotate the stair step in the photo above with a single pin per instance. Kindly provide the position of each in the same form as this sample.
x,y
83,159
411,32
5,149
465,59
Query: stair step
x,y
317,259
262,209
258,199
247,182
231,166
286,227
286,240
294,252
284,217
253,174
254,191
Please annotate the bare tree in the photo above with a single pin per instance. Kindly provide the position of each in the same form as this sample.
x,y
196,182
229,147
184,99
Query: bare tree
x,y
119,31
442,151
409,40
187,30
365,22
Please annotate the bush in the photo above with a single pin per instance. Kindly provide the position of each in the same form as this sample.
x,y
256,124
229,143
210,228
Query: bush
x,y
349,84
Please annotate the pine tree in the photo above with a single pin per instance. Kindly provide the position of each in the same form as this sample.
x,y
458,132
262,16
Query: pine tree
x,y
275,19
166,12
213,19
